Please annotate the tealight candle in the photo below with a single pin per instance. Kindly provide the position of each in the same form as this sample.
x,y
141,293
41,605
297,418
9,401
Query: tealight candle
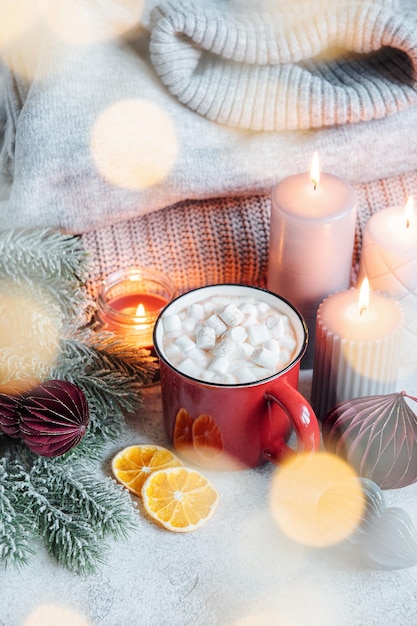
x,y
130,300
313,217
389,260
357,349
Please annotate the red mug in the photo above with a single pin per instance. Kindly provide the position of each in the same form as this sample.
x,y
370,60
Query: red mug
x,y
239,425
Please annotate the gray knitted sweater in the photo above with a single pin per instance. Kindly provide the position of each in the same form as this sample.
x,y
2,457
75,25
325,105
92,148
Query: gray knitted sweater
x,y
297,64
237,94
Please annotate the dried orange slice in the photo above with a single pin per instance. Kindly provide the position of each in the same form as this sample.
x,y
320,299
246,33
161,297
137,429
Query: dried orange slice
x,y
207,437
183,434
132,465
179,498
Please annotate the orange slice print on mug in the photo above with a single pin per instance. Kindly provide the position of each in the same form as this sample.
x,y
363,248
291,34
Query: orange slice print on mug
x,y
207,437
198,440
183,431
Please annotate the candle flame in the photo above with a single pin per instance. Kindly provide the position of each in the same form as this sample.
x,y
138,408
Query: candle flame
x,y
315,171
140,311
364,296
409,212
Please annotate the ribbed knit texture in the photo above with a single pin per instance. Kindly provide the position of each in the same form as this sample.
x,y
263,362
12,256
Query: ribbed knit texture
x,y
49,173
301,65
214,241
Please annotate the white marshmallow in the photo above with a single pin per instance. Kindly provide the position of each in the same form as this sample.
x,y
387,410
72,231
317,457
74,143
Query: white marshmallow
x,y
286,324
224,348
244,374
196,311
219,364
206,337
209,306
272,321
172,351
242,351
172,323
188,366
188,324
287,341
263,308
264,358
280,328
248,309
276,333
215,322
238,334
231,315
199,356
284,357
184,343
225,379
259,373
273,345
207,375
250,321
258,333
169,337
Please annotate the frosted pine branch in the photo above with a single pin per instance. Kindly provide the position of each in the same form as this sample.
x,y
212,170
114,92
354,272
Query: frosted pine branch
x,y
15,526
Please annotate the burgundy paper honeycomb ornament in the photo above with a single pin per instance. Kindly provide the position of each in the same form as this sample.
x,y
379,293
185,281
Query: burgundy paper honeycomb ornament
x,y
51,418
10,415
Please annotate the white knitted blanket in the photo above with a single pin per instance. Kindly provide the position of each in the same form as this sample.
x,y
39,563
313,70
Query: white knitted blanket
x,y
233,98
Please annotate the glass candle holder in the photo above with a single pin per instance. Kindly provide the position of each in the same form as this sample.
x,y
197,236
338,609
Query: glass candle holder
x,y
130,300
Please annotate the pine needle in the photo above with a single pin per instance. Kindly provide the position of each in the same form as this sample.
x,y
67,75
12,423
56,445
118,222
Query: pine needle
x,y
16,527
62,501
50,260
75,511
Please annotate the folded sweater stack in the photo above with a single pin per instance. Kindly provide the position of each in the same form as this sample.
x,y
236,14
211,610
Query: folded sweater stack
x,y
234,96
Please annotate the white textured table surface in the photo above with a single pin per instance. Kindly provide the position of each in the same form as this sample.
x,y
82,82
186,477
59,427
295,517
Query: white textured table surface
x,y
238,569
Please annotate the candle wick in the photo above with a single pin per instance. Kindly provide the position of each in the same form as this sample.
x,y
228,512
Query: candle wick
x,y
362,310
314,184
407,223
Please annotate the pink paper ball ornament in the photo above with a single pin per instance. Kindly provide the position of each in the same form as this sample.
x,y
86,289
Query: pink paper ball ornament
x,y
377,435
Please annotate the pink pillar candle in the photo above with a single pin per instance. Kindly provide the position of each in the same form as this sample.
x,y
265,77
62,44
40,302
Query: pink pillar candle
x,y
357,348
312,235
389,260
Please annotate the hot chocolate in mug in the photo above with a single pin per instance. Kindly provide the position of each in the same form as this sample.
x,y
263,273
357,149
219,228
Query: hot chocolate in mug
x,y
229,365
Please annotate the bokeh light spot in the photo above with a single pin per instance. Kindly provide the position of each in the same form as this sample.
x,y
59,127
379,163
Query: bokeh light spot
x,y
317,499
257,619
21,36
85,22
134,144
16,18
29,333
53,614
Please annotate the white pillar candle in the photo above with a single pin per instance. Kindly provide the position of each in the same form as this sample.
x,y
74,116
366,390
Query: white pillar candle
x,y
311,242
357,348
389,260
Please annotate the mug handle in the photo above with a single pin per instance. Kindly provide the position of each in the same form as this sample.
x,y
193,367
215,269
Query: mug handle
x,y
301,417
